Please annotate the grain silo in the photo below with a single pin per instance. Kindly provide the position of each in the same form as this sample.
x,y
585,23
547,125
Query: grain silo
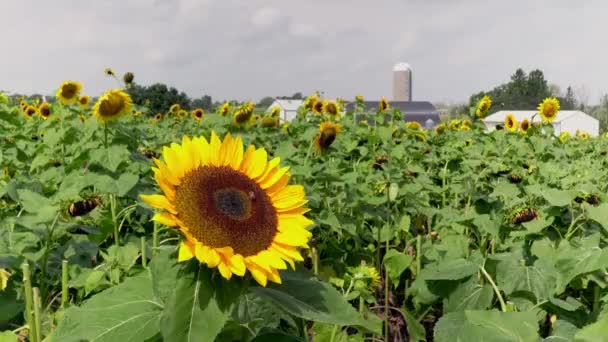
x,y
402,82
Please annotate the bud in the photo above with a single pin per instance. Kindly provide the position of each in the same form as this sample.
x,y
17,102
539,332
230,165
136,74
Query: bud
x,y
128,77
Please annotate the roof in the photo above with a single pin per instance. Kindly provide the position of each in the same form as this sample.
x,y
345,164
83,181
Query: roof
x,y
519,115
288,105
419,111
402,67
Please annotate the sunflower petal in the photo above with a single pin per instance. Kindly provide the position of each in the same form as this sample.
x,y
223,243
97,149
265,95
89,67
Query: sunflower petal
x,y
167,173
224,270
291,196
237,265
247,157
165,219
257,163
185,252
258,274
214,150
159,201
274,177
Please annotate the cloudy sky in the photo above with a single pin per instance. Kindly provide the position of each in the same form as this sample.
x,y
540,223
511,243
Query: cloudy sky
x,y
247,49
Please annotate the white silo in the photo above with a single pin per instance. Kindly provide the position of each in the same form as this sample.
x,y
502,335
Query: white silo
x,y
402,82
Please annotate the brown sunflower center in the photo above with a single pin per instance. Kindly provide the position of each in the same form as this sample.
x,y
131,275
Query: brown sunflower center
x,y
111,105
223,207
84,100
69,90
331,109
45,111
549,110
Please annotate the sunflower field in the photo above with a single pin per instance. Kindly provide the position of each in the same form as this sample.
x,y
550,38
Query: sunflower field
x,y
118,224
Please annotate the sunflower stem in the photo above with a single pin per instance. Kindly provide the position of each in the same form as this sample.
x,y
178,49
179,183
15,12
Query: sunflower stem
x,y
144,259
114,221
105,136
503,305
315,261
155,238
64,283
36,303
29,306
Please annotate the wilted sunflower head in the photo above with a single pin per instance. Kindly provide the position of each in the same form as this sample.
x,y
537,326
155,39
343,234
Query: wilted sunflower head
x,y
327,135
84,101
198,114
331,108
317,107
269,122
68,92
510,123
175,108
182,113
241,117
128,77
383,105
30,111
232,205
414,125
440,129
548,109
275,111
112,105
225,109
483,106
524,126
44,110
109,72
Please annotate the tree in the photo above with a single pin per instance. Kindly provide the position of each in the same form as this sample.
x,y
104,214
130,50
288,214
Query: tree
x,y
266,101
568,102
158,97
204,102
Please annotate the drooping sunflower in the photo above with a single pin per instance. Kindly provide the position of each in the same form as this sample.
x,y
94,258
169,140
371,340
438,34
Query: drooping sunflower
x,y
440,129
524,126
317,107
29,112
414,125
44,110
109,72
275,111
483,106
383,105
510,123
225,109
84,101
68,92
175,108
198,113
310,101
327,135
331,108
242,117
111,105
548,109
269,122
233,207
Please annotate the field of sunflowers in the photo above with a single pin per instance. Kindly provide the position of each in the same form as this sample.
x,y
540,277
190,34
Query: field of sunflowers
x,y
118,224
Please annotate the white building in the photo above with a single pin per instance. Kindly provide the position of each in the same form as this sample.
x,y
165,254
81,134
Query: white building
x,y
402,82
566,121
289,108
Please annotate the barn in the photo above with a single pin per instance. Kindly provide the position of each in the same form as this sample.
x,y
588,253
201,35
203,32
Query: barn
x,y
566,121
289,108
422,112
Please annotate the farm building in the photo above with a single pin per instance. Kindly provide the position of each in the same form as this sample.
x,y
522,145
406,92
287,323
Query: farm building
x,y
566,121
289,108
422,112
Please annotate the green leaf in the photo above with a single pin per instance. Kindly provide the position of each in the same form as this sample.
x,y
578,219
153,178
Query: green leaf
x,y
395,263
315,301
558,198
125,183
595,332
127,312
449,270
513,276
599,214
92,281
537,225
416,330
404,223
164,270
32,201
469,295
196,311
110,159
562,331
492,326
10,304
278,337
8,336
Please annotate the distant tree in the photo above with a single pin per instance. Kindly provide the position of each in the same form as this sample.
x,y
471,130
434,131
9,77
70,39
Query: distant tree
x,y
204,102
568,102
158,97
297,96
266,101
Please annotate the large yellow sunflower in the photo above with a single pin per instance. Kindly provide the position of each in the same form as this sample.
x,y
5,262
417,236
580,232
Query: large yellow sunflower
x,y
68,92
483,106
524,126
233,206
112,105
84,101
30,111
331,108
44,110
383,105
510,123
317,107
198,113
327,135
548,109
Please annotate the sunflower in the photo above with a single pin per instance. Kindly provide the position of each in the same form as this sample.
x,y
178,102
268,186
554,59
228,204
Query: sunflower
x,y
68,92
383,105
225,109
440,129
174,109
548,109
136,113
30,111
197,114
468,142
359,98
464,126
317,107
510,123
564,136
365,276
275,111
310,101
331,108
44,110
483,106
414,125
23,104
84,101
584,136
524,126
454,124
269,122
112,105
327,134
158,117
4,276
81,117
182,113
128,78
109,72
234,207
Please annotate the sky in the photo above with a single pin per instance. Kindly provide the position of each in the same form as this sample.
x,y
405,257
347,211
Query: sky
x,y
248,49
